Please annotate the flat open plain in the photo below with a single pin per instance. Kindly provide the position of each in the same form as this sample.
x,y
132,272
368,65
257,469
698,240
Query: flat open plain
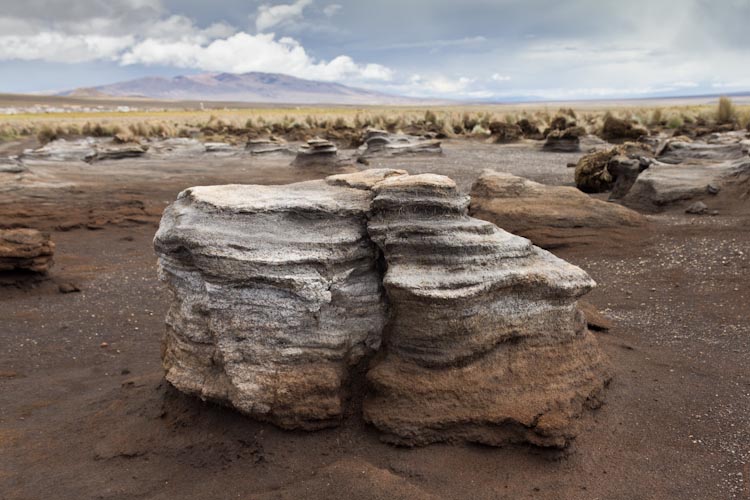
x,y
85,412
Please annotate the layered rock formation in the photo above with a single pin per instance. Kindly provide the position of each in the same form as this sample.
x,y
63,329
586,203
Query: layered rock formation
x,y
719,185
484,341
278,292
276,295
25,250
11,165
317,153
383,143
715,171
115,151
552,216
267,146
675,151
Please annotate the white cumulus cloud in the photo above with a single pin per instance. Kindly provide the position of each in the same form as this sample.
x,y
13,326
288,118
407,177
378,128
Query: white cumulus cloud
x,y
269,16
243,52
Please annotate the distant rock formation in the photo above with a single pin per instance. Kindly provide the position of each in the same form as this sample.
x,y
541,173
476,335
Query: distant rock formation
x,y
714,170
25,250
267,146
682,150
619,166
564,141
720,185
113,151
383,143
63,150
615,130
319,154
279,291
11,165
552,216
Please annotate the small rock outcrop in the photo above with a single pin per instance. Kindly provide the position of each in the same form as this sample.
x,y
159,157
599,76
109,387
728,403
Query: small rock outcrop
x,y
25,250
564,141
280,291
675,151
317,153
552,216
714,171
601,171
267,146
115,151
383,143
11,165
63,150
663,185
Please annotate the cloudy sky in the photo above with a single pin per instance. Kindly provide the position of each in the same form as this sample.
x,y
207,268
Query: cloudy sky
x,y
468,49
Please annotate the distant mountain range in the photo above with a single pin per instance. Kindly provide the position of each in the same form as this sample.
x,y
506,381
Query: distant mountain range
x,y
246,87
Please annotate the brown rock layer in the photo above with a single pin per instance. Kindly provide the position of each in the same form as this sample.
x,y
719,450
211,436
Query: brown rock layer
x,y
25,250
552,216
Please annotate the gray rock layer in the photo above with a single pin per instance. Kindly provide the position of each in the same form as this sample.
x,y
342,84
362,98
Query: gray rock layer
x,y
383,143
276,294
279,291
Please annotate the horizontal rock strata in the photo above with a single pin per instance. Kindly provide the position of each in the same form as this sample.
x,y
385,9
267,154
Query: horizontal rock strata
x,y
317,153
382,143
267,146
25,250
552,216
276,295
279,291
484,341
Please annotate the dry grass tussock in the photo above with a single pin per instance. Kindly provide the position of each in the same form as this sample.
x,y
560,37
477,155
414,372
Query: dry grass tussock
x,y
346,124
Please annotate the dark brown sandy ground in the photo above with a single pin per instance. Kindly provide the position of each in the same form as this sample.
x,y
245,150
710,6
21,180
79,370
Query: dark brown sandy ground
x,y
79,421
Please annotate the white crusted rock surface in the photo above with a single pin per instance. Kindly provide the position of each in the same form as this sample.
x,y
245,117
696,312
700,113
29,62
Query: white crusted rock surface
x,y
276,296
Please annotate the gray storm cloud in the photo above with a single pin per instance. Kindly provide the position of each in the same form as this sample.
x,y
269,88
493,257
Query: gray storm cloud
x,y
471,49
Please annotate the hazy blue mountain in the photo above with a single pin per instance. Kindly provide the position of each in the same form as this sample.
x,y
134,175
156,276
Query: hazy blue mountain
x,y
247,87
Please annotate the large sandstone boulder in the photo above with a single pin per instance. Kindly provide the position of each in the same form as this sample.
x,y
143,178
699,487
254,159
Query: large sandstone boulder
x,y
678,150
715,171
276,294
484,342
552,216
280,291
719,185
25,250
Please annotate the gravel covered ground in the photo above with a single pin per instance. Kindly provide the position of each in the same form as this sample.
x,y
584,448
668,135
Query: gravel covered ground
x,y
84,412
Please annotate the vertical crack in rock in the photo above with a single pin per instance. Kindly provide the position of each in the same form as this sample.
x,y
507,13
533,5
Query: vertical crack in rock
x,y
281,293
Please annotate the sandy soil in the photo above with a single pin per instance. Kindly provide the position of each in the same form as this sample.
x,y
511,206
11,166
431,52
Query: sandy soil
x,y
84,412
